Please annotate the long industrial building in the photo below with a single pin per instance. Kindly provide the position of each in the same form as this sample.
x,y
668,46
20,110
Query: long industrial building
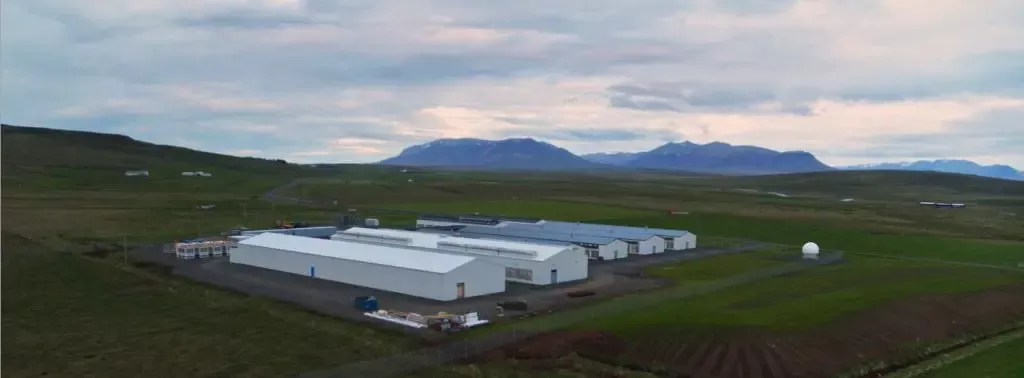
x,y
594,247
401,269
671,239
530,263
639,240
312,232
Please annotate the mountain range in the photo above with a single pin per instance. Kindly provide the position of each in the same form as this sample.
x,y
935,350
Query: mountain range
x,y
515,153
950,166
527,153
711,158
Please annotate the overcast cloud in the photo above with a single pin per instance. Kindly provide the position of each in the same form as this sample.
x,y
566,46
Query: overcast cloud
x,y
356,81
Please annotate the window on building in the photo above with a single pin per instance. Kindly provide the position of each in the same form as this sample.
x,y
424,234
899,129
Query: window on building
x,y
519,274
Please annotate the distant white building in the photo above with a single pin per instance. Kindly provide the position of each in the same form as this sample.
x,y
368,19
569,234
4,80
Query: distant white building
x,y
136,173
197,173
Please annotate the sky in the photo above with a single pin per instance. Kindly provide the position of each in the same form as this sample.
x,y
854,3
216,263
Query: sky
x,y
851,81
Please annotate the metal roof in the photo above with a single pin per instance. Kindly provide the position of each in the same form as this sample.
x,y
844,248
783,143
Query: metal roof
x,y
455,232
550,235
515,249
280,230
582,228
378,254
462,219
655,231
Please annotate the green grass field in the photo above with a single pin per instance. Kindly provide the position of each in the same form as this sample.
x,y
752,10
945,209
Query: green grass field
x,y
546,209
68,315
808,298
1002,361
714,268
838,236
996,357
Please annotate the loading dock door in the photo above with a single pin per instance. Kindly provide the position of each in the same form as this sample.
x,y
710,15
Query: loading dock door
x,y
554,276
461,290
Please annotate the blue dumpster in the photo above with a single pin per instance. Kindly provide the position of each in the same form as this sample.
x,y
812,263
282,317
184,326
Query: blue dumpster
x,y
368,304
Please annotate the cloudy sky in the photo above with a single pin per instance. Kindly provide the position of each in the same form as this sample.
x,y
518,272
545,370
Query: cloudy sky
x,y
851,81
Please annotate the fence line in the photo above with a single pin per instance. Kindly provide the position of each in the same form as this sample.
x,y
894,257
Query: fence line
x,y
409,362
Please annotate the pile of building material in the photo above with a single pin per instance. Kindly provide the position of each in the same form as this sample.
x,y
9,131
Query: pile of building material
x,y
407,319
442,321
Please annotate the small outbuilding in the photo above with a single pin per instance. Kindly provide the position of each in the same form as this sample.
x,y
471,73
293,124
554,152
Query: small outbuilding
x,y
810,250
400,269
529,263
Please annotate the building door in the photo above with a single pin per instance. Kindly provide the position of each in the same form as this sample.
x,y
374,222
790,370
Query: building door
x,y
554,276
312,271
461,290
654,249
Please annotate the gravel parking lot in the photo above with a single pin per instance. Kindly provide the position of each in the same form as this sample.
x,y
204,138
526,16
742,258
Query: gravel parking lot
x,y
607,278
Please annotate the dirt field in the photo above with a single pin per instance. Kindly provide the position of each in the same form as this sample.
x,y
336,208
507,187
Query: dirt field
x,y
889,332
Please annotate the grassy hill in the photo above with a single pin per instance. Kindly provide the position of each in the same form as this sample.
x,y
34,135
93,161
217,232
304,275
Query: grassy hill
x,y
37,159
70,187
911,184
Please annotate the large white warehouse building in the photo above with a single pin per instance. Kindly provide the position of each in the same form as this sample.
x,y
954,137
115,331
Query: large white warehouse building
x,y
405,270
637,242
530,263
312,232
640,240
594,247
671,239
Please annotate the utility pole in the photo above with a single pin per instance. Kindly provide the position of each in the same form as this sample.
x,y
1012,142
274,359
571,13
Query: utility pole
x,y
244,213
124,245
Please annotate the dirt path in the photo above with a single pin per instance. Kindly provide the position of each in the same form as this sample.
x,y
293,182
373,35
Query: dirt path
x,y
947,262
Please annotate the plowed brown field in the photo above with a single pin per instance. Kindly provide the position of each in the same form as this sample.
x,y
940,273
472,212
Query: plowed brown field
x,y
892,332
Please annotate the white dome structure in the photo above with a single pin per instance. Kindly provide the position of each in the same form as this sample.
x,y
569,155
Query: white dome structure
x,y
810,248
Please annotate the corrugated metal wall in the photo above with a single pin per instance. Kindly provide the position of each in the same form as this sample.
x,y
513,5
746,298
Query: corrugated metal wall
x,y
480,279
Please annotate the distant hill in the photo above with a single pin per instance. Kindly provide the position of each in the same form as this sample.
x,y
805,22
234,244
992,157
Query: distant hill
x,y
949,166
913,184
516,153
43,158
717,157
